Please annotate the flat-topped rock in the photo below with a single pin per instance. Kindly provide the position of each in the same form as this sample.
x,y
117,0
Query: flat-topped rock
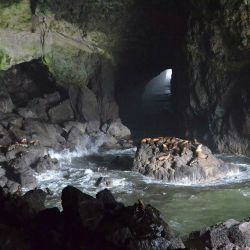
x,y
176,160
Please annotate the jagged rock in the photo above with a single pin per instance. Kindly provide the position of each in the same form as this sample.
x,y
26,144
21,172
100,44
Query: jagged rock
x,y
227,236
45,163
2,172
6,104
71,197
27,113
93,127
3,181
12,186
17,133
38,106
11,119
136,227
5,138
61,113
48,135
215,114
69,125
35,200
110,142
117,129
2,158
98,223
52,99
19,169
176,160
84,103
106,197
76,138
103,182
109,110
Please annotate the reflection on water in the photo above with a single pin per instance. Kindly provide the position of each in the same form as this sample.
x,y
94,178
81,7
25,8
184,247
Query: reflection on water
x,y
185,208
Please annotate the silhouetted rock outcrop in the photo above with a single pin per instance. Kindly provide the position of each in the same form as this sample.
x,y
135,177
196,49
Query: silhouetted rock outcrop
x,y
85,223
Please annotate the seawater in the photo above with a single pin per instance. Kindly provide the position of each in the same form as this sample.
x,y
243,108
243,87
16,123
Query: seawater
x,y
186,207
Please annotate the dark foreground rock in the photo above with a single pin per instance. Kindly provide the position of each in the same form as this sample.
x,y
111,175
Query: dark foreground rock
x,y
229,235
85,223
176,160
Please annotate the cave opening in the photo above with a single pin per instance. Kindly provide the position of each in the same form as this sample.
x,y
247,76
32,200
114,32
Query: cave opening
x,y
148,109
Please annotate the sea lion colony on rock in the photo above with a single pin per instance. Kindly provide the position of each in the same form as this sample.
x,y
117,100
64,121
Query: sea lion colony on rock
x,y
22,143
172,146
177,160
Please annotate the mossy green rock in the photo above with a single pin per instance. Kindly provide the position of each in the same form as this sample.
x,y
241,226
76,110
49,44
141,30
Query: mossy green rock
x,y
71,46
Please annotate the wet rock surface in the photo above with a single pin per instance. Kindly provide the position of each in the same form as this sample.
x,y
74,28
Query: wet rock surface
x,y
213,79
43,116
229,235
84,223
176,160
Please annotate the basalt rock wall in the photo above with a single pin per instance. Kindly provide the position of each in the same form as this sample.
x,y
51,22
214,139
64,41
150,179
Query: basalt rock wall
x,y
213,79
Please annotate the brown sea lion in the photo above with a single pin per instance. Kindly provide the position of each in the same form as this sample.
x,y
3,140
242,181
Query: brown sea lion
x,y
164,157
199,152
155,139
24,141
145,140
164,148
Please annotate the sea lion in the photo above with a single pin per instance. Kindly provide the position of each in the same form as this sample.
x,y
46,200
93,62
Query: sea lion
x,y
34,142
164,148
176,150
164,157
199,152
145,140
155,139
184,149
24,141
183,144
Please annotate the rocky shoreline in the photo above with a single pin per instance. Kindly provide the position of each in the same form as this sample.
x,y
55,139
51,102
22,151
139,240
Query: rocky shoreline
x,y
37,115
92,223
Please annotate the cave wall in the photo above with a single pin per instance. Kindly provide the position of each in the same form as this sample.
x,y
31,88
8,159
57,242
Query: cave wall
x,y
213,79
79,43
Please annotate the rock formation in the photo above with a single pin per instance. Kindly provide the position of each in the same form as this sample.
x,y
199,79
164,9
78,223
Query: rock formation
x,y
175,160
230,234
37,115
211,85
84,223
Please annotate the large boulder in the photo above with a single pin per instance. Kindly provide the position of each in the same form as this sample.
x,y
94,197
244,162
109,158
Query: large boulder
x,y
45,163
6,104
76,138
84,103
19,169
11,119
61,113
231,235
116,129
27,113
69,125
137,227
52,99
176,160
5,138
93,127
48,135
38,107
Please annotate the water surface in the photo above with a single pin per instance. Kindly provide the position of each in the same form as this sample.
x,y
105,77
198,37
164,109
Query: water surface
x,y
186,208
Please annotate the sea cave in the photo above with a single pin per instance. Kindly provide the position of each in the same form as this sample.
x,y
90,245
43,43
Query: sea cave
x,y
124,124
